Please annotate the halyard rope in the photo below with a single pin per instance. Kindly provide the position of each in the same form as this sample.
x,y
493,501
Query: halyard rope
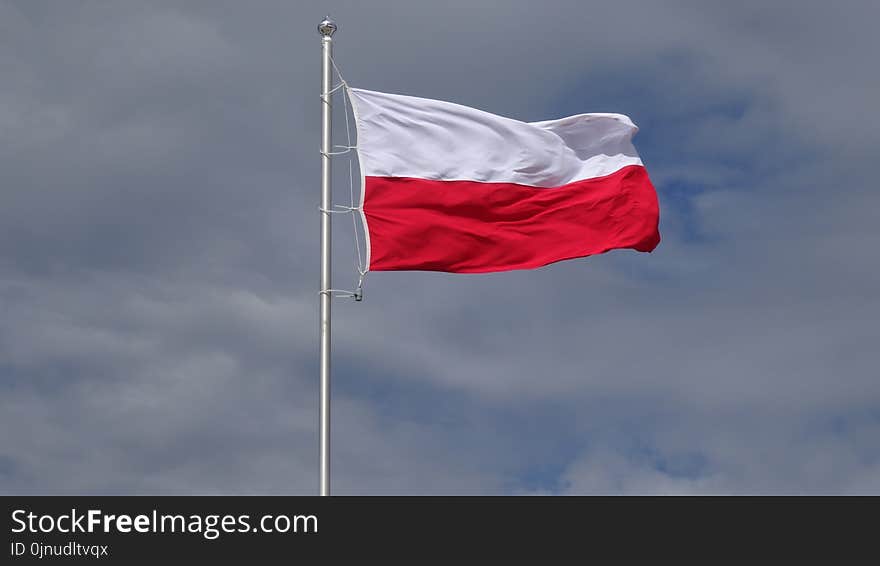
x,y
357,294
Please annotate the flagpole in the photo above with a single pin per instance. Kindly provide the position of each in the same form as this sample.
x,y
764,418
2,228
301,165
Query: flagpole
x,y
326,28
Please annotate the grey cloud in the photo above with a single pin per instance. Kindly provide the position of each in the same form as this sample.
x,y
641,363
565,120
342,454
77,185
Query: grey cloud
x,y
158,256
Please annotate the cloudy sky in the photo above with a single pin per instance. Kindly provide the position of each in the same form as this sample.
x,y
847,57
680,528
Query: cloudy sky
x,y
159,184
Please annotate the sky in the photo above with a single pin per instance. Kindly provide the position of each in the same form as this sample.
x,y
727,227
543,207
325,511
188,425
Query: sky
x,y
159,269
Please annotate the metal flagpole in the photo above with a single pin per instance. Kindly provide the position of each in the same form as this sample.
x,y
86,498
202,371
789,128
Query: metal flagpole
x,y
326,28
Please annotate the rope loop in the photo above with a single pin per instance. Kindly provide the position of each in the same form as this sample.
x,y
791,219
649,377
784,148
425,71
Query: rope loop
x,y
360,264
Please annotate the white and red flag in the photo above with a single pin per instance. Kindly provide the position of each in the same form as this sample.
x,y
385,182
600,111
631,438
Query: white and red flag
x,y
451,188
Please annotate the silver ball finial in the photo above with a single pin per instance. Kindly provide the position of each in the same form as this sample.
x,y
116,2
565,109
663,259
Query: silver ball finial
x,y
327,27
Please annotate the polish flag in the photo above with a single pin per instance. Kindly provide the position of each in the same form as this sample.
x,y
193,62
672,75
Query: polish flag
x,y
451,188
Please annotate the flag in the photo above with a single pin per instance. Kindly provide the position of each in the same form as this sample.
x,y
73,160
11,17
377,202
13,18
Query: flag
x,y
450,188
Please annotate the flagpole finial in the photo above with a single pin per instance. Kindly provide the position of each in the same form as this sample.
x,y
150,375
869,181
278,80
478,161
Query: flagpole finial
x,y
327,27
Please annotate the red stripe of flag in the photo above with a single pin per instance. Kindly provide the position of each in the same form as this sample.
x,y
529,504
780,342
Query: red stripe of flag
x,y
475,227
